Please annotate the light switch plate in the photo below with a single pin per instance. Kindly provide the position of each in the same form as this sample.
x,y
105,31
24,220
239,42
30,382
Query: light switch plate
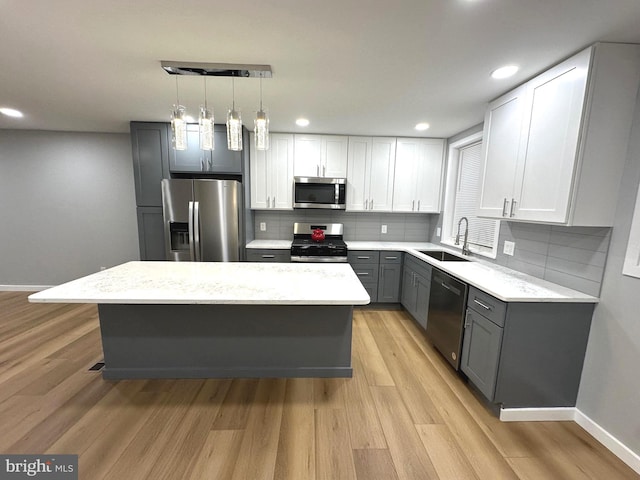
x,y
438,231
263,226
509,247
383,229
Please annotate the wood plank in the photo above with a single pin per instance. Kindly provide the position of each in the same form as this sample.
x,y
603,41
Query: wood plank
x,y
234,411
409,456
296,458
329,393
260,439
375,370
334,457
374,464
218,456
448,459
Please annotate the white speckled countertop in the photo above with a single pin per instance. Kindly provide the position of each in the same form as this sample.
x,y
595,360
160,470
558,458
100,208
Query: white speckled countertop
x,y
214,283
501,282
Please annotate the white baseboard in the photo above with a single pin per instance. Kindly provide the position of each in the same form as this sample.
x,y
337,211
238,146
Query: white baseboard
x,y
537,414
618,448
23,288
614,445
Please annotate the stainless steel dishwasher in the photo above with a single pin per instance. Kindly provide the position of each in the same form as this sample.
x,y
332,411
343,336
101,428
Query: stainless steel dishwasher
x,y
447,302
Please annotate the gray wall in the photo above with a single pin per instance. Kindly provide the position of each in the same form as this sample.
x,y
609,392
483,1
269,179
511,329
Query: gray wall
x,y
610,387
357,226
68,205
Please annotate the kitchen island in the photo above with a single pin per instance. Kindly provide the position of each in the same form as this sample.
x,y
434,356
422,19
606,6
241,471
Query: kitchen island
x,y
220,320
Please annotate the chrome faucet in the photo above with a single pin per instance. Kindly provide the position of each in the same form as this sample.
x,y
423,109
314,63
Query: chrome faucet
x,y
465,245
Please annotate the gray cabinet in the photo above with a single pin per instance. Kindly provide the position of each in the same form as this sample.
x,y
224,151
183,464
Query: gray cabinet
x,y
416,286
525,354
151,233
194,160
365,264
150,150
389,277
268,255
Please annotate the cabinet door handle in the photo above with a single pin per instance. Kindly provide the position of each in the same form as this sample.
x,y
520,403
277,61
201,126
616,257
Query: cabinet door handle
x,y
504,207
486,307
273,202
268,256
371,204
413,205
445,285
366,204
467,323
513,204
202,169
324,170
268,202
390,258
363,274
418,205
363,258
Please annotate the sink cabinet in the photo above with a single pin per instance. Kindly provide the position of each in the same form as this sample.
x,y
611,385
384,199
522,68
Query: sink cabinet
x,y
525,354
554,148
416,287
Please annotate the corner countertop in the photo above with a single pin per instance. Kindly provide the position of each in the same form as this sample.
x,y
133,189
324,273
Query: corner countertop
x,y
503,283
213,283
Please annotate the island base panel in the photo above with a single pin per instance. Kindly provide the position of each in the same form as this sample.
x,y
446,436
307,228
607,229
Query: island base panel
x,y
225,341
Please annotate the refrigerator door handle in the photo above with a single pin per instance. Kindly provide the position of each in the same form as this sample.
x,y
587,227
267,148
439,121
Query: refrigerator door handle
x,y
192,246
196,231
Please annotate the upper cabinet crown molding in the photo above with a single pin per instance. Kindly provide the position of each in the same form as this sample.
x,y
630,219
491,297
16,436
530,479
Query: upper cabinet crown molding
x,y
320,156
554,148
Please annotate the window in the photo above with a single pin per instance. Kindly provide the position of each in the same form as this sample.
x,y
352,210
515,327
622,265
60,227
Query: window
x,y
462,192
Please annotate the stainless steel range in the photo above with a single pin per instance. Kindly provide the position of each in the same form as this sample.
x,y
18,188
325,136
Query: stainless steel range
x,y
314,242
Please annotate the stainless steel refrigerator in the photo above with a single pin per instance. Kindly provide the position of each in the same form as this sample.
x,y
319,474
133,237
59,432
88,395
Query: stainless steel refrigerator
x,y
202,220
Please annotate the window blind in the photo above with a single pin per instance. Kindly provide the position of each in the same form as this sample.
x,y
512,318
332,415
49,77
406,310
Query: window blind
x,y
481,230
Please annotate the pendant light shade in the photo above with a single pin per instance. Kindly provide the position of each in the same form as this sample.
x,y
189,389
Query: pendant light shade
x,y
234,124
205,124
261,126
179,128
178,124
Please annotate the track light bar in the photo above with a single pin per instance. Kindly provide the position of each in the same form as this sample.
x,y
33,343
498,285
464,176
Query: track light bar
x,y
216,69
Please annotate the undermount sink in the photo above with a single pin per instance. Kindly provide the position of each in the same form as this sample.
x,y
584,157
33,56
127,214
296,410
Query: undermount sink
x,y
443,256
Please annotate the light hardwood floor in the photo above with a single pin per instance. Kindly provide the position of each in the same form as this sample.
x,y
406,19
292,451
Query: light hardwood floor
x,y
404,415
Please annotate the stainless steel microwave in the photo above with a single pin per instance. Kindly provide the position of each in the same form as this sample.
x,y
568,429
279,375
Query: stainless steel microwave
x,y
320,192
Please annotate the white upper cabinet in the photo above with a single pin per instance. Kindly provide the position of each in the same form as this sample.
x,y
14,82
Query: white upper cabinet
x,y
320,156
562,139
371,162
418,175
272,173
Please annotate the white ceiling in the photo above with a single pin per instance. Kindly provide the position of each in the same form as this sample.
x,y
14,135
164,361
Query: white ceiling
x,y
372,67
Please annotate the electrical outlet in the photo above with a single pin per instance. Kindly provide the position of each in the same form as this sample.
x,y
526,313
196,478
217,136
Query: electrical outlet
x,y
103,268
509,247
438,231
263,226
383,229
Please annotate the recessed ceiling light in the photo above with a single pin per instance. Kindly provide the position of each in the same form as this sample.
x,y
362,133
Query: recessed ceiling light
x,y
422,126
504,72
302,122
11,112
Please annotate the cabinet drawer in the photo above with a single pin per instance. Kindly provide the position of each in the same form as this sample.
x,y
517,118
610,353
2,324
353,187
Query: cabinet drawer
x,y
390,258
364,256
488,306
265,255
366,273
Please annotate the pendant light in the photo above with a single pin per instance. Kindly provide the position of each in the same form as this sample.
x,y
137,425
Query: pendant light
x,y
234,124
178,124
261,125
205,123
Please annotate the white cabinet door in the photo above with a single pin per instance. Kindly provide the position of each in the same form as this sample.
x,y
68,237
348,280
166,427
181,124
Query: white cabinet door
x,y
429,176
500,143
258,165
381,174
334,156
272,173
549,145
359,158
418,175
281,171
307,155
